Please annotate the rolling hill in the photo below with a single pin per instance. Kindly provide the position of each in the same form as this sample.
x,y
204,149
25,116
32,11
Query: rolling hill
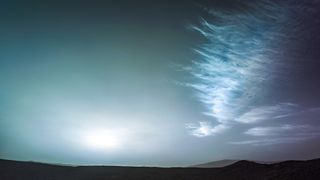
x,y
293,170
216,164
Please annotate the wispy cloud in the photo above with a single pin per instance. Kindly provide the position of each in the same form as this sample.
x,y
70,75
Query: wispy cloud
x,y
204,129
236,63
271,141
301,112
280,130
263,113
282,134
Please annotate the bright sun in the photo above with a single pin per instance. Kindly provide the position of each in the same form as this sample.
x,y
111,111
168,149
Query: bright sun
x,y
102,140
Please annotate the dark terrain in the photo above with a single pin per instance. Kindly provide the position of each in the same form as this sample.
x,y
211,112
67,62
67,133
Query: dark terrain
x,y
290,170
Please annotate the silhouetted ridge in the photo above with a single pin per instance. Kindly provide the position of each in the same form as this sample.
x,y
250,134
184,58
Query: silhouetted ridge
x,y
214,164
297,170
245,163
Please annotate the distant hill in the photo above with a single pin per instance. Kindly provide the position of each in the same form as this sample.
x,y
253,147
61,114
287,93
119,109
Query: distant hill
x,y
215,164
226,162
240,170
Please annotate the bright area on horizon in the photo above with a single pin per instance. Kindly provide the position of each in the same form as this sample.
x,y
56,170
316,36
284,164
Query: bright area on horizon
x,y
159,83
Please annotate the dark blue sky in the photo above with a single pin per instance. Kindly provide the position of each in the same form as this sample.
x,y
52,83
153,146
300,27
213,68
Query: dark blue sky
x,y
159,83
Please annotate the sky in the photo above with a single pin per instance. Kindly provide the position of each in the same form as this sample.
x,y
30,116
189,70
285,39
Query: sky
x,y
161,83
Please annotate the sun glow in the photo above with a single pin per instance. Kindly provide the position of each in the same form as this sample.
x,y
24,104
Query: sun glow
x,y
102,140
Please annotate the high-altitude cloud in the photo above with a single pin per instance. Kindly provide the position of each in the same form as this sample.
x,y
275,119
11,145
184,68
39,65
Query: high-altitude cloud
x,y
237,65
237,61
303,126
263,113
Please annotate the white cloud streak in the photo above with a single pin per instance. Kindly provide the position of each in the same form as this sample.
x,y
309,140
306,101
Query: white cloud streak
x,y
235,68
271,141
204,129
283,134
263,113
235,63
273,131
